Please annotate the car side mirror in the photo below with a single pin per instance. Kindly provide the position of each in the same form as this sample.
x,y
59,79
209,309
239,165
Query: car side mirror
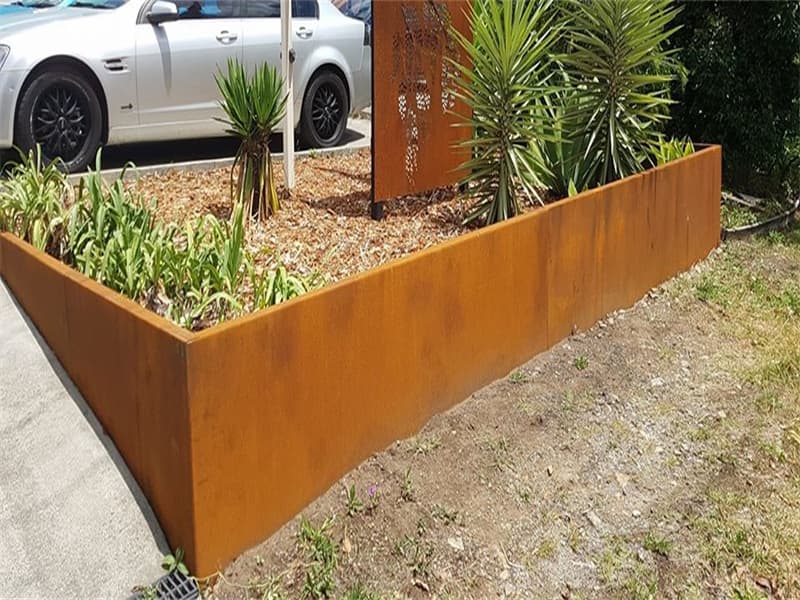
x,y
162,11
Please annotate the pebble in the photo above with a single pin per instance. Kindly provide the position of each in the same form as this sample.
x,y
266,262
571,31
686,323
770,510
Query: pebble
x,y
636,514
656,382
456,544
594,520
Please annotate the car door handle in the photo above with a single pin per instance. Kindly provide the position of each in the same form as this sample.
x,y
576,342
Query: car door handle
x,y
304,33
226,37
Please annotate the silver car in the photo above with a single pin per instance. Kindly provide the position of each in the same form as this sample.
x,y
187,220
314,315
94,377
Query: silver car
x,y
94,72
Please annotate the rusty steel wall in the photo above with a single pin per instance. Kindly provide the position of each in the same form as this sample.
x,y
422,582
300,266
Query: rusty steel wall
x,y
233,430
413,133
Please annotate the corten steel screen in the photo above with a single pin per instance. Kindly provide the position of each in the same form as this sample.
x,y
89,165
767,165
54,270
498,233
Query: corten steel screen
x,y
412,111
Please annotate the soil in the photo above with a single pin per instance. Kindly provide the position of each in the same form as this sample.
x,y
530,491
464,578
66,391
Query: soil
x,y
647,457
325,225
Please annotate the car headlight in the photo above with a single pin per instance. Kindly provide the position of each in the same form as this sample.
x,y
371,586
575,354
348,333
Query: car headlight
x,y
4,50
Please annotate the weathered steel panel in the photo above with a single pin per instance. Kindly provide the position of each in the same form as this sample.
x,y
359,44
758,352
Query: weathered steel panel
x,y
232,430
412,107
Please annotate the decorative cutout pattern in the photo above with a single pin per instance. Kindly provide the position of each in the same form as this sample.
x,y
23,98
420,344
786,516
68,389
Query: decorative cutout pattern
x,y
421,52
414,56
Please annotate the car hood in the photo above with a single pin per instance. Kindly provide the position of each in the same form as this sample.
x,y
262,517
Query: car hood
x,y
20,18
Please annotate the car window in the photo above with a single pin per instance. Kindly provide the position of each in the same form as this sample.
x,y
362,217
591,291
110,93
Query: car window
x,y
266,9
206,9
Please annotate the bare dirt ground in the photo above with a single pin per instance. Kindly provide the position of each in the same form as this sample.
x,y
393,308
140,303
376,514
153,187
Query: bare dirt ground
x,y
654,456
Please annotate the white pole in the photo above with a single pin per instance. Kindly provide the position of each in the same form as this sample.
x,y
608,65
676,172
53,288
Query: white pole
x,y
287,70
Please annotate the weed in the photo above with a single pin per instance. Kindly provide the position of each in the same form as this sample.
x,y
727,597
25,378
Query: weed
x,y
440,513
519,377
657,545
359,592
426,445
174,562
701,434
418,554
746,593
547,549
501,456
768,403
322,553
373,498
407,487
643,585
575,538
524,495
774,452
581,363
711,291
354,503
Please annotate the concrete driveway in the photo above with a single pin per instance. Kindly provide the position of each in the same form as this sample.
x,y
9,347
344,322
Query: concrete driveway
x,y
73,522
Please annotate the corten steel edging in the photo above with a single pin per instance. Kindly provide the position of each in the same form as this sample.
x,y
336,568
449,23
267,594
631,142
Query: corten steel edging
x,y
232,430
285,402
129,365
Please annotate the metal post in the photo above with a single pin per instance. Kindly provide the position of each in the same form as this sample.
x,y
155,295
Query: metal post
x,y
287,70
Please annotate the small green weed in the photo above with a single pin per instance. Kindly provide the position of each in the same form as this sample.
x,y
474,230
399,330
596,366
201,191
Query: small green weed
x,y
440,513
354,503
426,445
501,455
417,551
657,545
581,363
519,377
322,554
174,562
359,592
407,487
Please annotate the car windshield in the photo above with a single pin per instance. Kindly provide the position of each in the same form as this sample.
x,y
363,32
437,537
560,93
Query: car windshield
x,y
37,3
99,4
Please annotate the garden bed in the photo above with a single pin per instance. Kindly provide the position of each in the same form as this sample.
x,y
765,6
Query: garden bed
x,y
231,431
325,226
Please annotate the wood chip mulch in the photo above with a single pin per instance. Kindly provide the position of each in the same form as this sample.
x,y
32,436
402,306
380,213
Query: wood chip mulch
x,y
325,225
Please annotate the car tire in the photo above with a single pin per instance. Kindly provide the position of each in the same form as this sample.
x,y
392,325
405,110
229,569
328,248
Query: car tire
x,y
326,107
60,111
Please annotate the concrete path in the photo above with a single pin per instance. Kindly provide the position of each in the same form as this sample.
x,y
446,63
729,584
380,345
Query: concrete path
x,y
73,522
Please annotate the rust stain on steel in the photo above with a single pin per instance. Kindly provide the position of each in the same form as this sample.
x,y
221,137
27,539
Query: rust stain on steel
x,y
233,430
413,97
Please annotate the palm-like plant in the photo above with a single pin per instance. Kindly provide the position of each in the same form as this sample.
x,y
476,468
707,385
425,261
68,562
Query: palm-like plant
x,y
254,106
617,61
502,83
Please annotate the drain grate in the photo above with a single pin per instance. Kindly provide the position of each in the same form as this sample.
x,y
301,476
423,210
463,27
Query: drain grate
x,y
172,586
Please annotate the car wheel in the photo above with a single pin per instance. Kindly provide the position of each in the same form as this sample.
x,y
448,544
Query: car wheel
x,y
60,111
325,110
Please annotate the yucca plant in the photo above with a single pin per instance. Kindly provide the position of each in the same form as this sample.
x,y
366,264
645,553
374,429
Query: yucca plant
x,y
502,82
254,106
617,61
33,202
666,150
565,169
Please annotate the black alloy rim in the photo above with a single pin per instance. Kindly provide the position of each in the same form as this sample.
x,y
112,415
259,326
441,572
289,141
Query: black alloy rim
x,y
326,111
61,122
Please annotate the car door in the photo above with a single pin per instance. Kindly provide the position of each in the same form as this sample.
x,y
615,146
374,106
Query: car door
x,y
262,30
176,62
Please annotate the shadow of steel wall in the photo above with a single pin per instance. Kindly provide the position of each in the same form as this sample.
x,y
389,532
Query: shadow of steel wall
x,y
413,128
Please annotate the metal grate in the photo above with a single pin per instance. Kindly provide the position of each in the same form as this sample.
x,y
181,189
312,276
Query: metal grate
x,y
172,586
